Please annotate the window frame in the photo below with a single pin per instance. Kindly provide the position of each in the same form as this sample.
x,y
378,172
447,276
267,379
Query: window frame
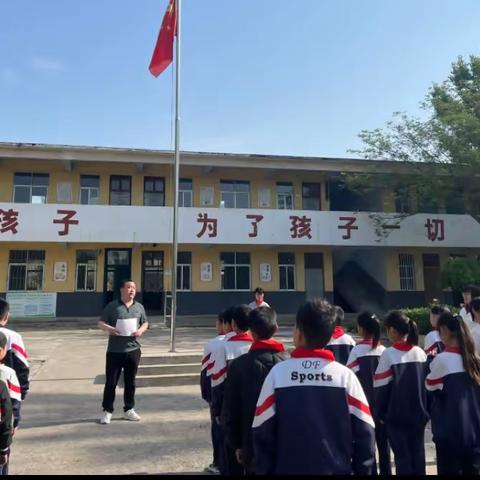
x,y
235,192
120,177
182,193
285,195
182,266
236,265
26,264
87,270
31,186
154,192
286,266
406,265
319,198
89,190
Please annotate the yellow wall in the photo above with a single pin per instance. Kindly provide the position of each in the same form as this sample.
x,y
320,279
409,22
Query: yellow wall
x,y
200,176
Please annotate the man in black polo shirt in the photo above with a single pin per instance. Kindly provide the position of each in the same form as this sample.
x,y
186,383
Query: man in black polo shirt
x,y
123,351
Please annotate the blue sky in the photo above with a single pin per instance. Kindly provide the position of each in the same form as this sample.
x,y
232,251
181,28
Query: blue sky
x,y
298,77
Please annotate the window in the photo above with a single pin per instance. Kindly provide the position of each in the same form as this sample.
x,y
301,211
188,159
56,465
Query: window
x,y
407,272
284,196
154,192
184,271
185,193
235,194
86,270
403,200
30,188
235,271
25,269
120,190
89,189
286,268
311,196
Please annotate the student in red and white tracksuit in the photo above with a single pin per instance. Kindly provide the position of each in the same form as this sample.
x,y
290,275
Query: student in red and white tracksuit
x,y
454,383
16,357
312,416
400,394
363,360
341,343
235,344
206,390
433,344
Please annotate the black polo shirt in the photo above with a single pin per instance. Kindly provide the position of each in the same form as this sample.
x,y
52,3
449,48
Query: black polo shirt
x,y
118,310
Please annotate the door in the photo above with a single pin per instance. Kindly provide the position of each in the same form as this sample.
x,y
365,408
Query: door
x,y
431,277
117,268
152,281
314,286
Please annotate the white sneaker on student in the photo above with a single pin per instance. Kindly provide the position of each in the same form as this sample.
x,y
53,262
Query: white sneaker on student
x,y
106,417
132,415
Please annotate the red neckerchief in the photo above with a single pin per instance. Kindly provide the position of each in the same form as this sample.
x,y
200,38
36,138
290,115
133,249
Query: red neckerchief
x,y
258,302
338,332
453,350
301,352
468,308
267,345
241,337
403,346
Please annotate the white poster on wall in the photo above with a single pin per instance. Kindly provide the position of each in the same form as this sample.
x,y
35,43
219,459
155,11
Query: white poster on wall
x,y
206,196
60,272
206,272
265,272
64,192
32,304
264,197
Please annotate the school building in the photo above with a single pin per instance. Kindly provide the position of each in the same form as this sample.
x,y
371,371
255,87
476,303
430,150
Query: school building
x,y
75,221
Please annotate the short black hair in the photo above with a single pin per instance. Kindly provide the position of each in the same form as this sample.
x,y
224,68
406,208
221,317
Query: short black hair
x,y
468,288
4,308
339,314
259,290
476,304
439,309
228,316
316,319
220,317
125,281
3,340
263,322
240,315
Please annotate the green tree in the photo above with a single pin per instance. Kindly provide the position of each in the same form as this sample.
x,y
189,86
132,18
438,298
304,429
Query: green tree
x,y
444,149
459,272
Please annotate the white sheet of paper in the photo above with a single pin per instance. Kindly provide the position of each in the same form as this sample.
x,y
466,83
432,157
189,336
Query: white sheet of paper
x,y
126,326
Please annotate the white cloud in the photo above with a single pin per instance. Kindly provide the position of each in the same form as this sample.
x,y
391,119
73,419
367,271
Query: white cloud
x,y
46,64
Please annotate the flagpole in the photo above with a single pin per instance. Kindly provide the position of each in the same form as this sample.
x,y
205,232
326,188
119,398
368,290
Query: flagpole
x,y
176,179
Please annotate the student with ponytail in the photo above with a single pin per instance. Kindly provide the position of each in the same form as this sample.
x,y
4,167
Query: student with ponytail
x,y
433,344
454,381
400,397
363,360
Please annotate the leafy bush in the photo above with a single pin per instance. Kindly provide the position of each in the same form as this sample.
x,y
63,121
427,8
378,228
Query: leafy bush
x,y
421,316
459,272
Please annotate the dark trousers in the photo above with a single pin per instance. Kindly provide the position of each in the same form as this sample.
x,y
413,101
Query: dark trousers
x,y
408,449
216,432
116,362
454,461
233,468
384,463
4,468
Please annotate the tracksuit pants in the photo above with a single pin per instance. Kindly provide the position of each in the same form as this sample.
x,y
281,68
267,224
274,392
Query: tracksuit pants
x,y
454,461
216,432
408,448
116,362
384,463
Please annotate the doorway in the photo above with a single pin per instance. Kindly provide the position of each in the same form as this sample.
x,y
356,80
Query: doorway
x,y
152,281
431,277
118,267
314,282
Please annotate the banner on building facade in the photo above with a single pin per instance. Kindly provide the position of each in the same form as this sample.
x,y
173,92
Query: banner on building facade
x,y
32,304
123,224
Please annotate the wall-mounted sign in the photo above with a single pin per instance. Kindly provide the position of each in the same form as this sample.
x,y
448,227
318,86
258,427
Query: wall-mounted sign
x,y
206,270
265,272
64,192
206,196
60,272
32,304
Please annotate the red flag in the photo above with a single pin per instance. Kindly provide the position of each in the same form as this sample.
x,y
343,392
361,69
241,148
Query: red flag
x,y
163,54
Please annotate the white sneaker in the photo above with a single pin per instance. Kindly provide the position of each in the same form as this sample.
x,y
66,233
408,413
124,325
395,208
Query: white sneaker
x,y
132,415
106,417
